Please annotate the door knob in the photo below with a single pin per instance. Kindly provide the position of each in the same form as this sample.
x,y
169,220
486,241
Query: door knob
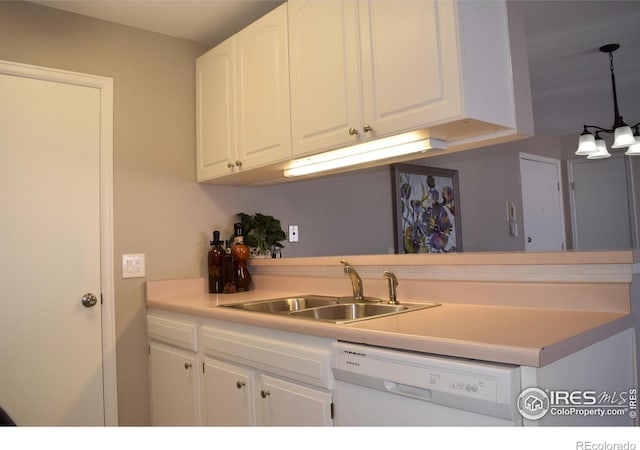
x,y
264,394
89,300
529,239
367,128
239,163
352,131
230,165
240,384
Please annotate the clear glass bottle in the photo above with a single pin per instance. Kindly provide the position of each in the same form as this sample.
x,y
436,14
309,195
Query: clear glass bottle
x,y
215,263
240,253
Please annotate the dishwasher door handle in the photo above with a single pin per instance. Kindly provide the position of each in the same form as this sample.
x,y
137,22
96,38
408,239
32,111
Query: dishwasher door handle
x,y
407,390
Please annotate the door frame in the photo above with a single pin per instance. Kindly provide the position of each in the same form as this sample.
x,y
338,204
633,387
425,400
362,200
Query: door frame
x,y
557,163
105,86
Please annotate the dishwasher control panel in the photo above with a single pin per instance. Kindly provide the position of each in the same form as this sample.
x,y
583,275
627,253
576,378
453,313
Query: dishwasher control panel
x,y
412,374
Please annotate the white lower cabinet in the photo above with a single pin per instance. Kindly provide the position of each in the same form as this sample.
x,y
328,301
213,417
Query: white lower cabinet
x,y
283,403
226,394
255,376
233,395
173,371
174,397
217,373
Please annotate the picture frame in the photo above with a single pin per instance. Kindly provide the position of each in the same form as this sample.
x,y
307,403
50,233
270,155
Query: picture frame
x,y
426,208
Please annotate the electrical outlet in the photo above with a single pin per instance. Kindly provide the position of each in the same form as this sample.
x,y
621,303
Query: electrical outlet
x,y
293,233
133,266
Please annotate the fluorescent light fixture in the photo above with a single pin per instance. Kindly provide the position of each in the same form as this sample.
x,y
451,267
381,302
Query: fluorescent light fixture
x,y
377,150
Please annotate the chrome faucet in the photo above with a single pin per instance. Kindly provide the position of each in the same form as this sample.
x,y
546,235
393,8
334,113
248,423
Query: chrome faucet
x,y
356,281
393,282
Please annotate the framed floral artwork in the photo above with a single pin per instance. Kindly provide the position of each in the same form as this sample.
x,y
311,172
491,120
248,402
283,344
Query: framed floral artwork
x,y
426,205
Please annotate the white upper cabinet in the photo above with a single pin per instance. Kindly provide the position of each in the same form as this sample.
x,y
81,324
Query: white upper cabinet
x,y
326,99
242,92
215,111
314,75
362,70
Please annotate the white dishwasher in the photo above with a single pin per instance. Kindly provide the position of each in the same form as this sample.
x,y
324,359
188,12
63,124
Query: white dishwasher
x,y
382,387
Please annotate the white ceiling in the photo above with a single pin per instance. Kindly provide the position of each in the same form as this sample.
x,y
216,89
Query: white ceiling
x,y
569,77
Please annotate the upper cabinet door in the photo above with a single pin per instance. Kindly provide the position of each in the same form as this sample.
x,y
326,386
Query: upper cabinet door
x,y
325,79
262,91
215,111
410,75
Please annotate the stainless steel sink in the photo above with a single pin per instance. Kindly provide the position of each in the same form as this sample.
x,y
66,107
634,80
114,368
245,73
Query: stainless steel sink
x,y
287,305
351,312
329,309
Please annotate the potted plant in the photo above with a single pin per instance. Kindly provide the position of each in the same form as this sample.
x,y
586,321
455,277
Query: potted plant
x,y
262,233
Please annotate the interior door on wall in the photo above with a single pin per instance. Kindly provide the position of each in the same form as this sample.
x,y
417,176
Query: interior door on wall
x,y
600,204
542,210
50,342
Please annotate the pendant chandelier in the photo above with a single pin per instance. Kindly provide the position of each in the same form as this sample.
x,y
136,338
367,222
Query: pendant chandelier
x,y
594,147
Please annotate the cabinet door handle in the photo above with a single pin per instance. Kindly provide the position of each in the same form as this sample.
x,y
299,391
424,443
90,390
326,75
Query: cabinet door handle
x,y
367,128
264,394
230,165
239,163
352,131
240,384
188,366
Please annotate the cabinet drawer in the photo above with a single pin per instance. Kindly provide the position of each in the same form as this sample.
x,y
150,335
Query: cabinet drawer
x,y
306,362
174,332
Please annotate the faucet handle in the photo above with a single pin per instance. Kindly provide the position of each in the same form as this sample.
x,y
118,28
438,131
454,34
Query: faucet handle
x,y
393,282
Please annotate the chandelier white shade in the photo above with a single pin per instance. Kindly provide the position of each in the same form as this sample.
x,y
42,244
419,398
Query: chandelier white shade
x,y
601,149
595,147
634,149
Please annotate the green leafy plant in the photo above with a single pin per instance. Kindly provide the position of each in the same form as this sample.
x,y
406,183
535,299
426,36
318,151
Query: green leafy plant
x,y
262,232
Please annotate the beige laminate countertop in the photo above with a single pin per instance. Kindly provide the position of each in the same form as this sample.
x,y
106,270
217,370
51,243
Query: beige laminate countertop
x,y
514,335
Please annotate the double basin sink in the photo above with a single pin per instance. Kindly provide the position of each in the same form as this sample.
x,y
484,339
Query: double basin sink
x,y
329,309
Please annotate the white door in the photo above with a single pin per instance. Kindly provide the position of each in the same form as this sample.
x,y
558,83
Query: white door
x,y
542,210
600,204
51,344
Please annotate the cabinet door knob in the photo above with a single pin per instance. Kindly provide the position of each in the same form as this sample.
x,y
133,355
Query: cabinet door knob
x,y
188,366
264,394
240,384
230,165
367,128
239,163
352,131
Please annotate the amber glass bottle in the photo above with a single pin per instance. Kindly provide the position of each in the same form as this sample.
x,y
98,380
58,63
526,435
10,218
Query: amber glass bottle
x,y
215,260
228,275
240,253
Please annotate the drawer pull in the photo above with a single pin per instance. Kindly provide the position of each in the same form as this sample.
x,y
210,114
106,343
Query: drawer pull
x,y
240,384
264,394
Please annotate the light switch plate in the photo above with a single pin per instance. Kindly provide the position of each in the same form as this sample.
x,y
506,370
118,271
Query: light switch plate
x,y
293,233
133,265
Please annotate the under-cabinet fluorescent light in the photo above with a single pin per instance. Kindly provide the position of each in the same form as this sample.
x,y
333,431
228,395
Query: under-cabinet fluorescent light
x,y
402,145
